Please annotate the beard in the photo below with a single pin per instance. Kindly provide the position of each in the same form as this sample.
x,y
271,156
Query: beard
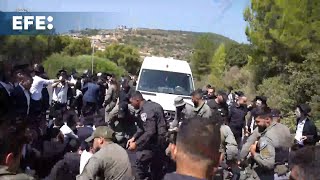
x,y
97,149
261,129
196,104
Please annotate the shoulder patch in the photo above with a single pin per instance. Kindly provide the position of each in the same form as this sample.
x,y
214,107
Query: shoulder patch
x,y
144,117
262,145
265,152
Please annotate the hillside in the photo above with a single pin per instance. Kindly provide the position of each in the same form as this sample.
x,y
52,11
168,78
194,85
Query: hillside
x,y
156,42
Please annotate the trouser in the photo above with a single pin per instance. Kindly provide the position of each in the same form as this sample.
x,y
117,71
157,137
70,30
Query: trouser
x,y
147,159
35,107
57,107
108,109
251,174
89,109
110,116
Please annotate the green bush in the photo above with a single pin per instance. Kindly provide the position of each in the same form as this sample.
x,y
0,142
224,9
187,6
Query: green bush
x,y
57,61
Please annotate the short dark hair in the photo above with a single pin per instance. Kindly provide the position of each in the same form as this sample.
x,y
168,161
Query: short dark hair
x,y
200,139
11,141
137,95
307,161
197,92
263,112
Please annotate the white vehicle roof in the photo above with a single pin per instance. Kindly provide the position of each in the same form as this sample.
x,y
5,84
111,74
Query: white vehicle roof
x,y
166,64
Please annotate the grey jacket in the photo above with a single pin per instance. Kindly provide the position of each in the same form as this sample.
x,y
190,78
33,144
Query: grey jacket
x,y
111,162
272,142
228,143
203,110
111,97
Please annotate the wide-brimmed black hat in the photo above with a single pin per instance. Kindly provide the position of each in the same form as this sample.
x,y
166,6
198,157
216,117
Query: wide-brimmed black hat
x,y
263,99
304,108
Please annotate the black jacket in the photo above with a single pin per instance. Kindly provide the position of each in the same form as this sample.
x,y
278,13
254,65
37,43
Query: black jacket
x,y
84,132
309,130
5,101
66,169
20,102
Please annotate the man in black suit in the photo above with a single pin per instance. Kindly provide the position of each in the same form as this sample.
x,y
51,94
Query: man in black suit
x,y
21,96
4,99
5,90
306,131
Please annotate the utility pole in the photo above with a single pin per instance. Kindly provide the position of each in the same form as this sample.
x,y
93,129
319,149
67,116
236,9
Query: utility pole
x,y
92,55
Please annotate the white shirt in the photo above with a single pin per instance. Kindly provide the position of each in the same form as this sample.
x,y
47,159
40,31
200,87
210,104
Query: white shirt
x,y
252,124
85,156
60,93
67,132
26,93
78,93
37,86
299,131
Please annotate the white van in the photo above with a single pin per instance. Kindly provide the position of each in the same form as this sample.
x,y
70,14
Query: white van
x,y
162,79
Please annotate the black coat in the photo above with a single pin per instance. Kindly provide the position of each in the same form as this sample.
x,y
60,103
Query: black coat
x,y
5,101
67,168
20,102
84,132
309,130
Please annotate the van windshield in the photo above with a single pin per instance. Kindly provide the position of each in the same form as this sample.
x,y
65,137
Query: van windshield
x,y
165,82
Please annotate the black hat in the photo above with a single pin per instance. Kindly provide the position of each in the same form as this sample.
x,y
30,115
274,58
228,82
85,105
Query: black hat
x,y
276,113
239,93
73,71
62,72
20,67
124,81
261,98
305,108
38,68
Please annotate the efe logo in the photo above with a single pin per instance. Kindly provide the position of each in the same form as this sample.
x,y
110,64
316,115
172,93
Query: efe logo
x,y
23,22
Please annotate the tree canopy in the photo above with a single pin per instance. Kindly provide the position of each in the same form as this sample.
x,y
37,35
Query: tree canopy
x,y
125,56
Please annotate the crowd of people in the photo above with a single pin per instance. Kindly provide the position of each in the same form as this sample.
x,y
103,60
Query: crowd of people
x,y
93,126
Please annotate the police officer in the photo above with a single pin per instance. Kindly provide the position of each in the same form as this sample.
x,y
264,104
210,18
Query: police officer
x,y
183,111
111,96
228,146
149,141
270,150
121,109
218,105
201,109
122,119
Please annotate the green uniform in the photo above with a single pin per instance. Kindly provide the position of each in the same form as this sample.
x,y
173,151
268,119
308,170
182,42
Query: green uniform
x,y
272,151
203,110
110,162
111,99
228,143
